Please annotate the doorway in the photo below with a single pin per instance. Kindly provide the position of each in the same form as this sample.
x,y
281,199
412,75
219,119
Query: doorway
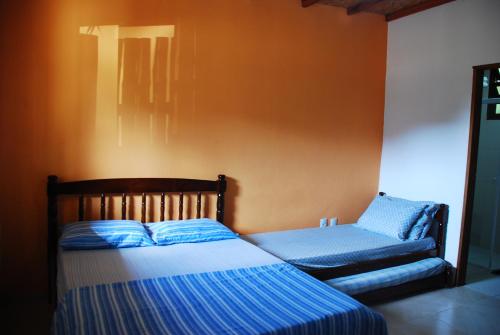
x,y
479,255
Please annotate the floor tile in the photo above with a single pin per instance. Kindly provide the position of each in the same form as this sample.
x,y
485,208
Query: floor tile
x,y
472,320
446,311
429,324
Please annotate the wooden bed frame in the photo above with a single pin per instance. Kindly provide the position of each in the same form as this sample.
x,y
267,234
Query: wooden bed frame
x,y
123,187
438,232
165,186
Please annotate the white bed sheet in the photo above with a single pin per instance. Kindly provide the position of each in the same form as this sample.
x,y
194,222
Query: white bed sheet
x,y
91,267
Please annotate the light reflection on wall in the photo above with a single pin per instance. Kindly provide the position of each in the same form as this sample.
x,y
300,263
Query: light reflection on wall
x,y
132,80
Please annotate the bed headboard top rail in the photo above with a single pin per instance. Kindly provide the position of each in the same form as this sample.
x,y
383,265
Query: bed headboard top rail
x,y
134,185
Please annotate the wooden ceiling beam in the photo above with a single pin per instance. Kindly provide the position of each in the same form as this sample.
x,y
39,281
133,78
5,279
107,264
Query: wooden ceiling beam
x,y
307,3
362,6
415,9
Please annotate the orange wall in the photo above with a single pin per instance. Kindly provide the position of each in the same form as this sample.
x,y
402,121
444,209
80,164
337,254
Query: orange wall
x,y
286,101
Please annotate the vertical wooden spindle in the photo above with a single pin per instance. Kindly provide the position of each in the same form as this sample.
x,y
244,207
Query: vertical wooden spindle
x,y
221,188
81,208
162,207
143,208
198,205
441,218
124,206
103,207
181,205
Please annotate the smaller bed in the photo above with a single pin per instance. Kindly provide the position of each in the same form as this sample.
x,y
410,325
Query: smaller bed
x,y
312,249
349,250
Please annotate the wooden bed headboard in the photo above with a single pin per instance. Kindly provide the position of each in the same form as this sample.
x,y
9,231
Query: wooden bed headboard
x,y
123,187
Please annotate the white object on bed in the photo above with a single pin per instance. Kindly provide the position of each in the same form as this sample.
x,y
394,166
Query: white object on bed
x,y
91,267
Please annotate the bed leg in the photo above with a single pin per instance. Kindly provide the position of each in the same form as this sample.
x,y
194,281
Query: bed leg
x,y
450,276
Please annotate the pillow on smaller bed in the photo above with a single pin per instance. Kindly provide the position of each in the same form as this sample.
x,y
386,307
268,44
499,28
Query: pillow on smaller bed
x,y
188,231
390,217
424,223
104,234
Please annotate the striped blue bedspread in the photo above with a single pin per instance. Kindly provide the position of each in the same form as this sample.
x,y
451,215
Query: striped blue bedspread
x,y
389,277
271,299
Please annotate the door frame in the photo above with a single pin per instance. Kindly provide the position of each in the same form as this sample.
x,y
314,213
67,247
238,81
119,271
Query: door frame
x,y
475,121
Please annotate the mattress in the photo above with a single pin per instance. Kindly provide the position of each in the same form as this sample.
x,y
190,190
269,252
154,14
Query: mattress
x,y
77,268
389,277
319,248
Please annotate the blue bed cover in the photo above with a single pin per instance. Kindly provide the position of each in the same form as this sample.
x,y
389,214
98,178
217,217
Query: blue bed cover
x,y
317,248
270,299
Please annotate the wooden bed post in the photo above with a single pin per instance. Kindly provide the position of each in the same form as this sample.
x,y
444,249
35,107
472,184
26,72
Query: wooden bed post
x,y
52,237
441,218
221,188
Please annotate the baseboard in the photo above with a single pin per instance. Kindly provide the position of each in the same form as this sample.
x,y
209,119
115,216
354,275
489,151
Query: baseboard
x,y
451,276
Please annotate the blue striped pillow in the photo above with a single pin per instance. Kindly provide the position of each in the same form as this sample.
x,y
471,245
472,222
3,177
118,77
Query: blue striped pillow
x,y
188,231
105,234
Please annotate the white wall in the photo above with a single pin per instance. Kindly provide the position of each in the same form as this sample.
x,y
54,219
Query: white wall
x,y
428,91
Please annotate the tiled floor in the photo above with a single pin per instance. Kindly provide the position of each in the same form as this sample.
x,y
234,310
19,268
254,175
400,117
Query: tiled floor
x,y
470,309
